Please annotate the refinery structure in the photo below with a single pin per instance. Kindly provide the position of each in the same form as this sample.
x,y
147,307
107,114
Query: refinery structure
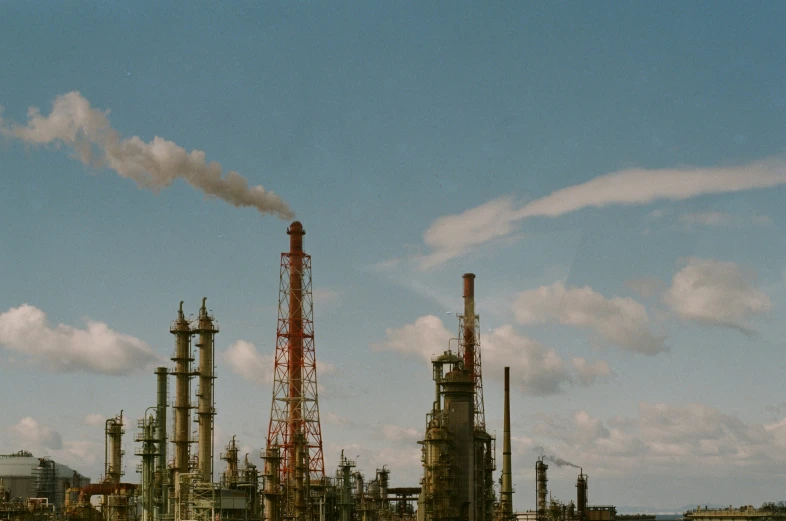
x,y
178,470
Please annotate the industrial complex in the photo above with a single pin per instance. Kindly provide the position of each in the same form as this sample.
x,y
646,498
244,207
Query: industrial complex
x,y
458,481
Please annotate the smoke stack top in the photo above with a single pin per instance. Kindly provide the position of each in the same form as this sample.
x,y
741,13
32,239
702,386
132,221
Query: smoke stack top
x,y
296,233
469,285
152,165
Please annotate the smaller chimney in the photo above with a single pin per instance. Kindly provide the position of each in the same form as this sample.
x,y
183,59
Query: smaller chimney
x,y
506,492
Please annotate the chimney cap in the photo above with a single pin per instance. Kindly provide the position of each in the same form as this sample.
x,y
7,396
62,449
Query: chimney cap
x,y
296,228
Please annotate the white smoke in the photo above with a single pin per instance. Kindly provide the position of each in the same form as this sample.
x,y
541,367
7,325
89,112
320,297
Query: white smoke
x,y
153,165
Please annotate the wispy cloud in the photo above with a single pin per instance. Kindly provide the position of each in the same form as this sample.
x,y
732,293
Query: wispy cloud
x,y
451,236
96,349
665,438
538,371
153,165
716,292
620,321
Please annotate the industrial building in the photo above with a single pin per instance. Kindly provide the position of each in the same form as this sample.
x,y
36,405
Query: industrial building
x,y
177,469
23,476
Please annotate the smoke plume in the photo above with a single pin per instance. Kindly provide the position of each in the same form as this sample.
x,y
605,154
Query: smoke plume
x,y
554,459
153,165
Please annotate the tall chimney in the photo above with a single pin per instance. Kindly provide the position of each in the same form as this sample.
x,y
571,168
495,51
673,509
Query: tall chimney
x,y
206,329
163,493
295,369
182,372
469,323
506,492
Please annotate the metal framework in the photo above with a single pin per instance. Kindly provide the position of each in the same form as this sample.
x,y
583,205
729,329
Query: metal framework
x,y
294,417
469,337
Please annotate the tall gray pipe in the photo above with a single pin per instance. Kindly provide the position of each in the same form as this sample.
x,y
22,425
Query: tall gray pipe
x,y
161,470
506,492
206,330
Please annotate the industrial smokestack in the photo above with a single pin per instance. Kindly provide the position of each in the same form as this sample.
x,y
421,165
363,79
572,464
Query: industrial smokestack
x,y
182,372
540,487
163,490
506,492
154,165
469,322
295,318
206,329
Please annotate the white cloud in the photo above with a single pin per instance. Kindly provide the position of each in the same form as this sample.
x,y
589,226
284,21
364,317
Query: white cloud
x,y
535,370
716,292
692,439
621,321
589,372
96,349
29,431
454,235
426,337
246,362
95,419
154,165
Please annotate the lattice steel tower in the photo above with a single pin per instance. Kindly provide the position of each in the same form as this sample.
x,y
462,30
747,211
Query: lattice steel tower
x,y
294,414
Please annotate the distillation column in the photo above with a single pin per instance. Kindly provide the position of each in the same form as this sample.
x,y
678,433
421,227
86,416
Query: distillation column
x,y
206,329
162,486
506,491
272,493
182,407
581,496
114,449
540,487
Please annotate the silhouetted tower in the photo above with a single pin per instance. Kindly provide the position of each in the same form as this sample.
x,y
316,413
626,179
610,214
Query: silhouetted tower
x,y
294,416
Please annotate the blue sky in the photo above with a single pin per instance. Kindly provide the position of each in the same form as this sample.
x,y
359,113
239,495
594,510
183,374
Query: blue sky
x,y
613,173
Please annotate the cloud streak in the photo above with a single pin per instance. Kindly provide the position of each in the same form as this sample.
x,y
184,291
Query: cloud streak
x,y
63,348
454,235
153,165
620,321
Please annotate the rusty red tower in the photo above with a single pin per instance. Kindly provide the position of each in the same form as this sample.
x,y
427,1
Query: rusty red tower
x,y
294,415
469,347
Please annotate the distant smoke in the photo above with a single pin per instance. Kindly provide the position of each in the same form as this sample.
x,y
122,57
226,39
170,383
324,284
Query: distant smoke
x,y
154,165
554,459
